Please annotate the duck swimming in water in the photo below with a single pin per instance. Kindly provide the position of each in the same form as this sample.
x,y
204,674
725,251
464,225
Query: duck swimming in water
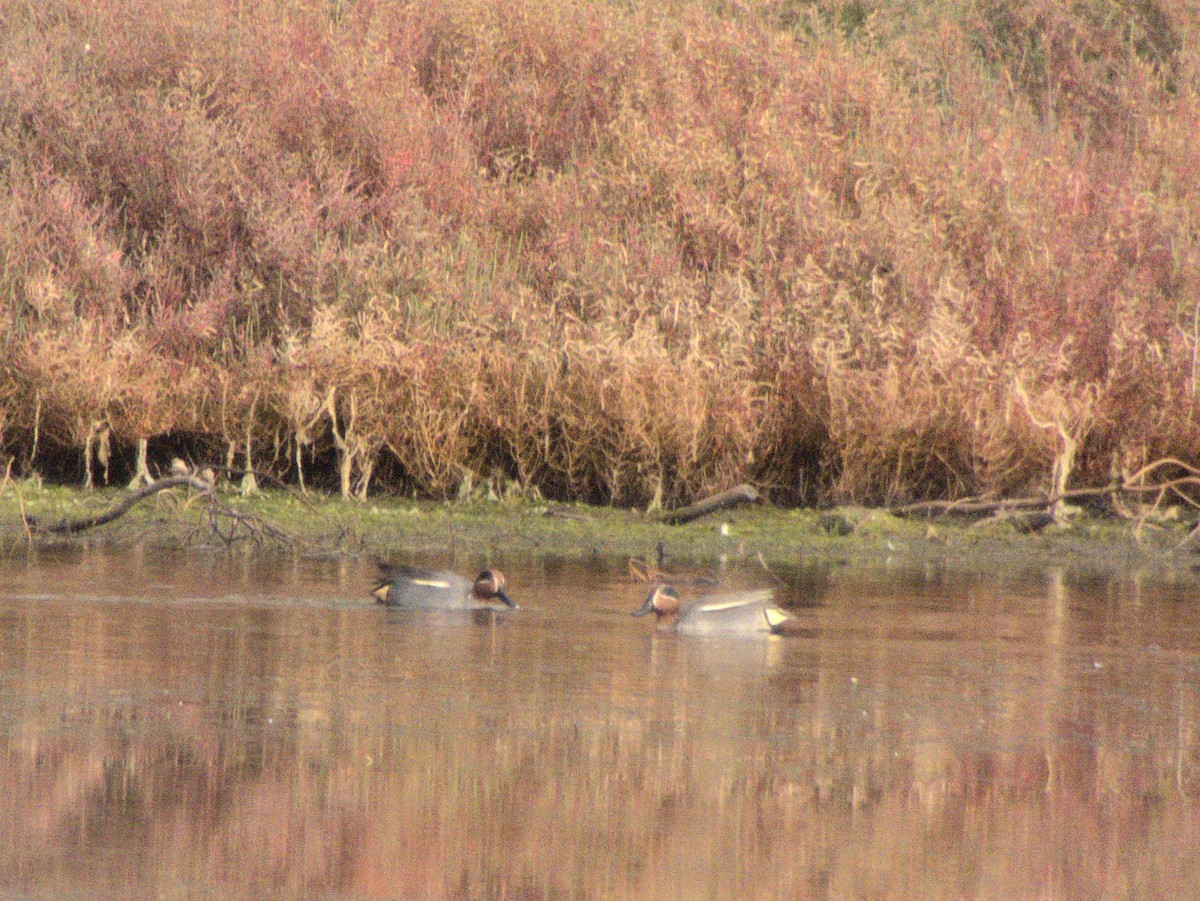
x,y
724,612
410,586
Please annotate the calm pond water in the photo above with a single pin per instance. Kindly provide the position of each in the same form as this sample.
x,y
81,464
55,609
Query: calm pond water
x,y
217,727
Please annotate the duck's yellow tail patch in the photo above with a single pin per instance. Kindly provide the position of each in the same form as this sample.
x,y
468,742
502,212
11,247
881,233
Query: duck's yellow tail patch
x,y
381,593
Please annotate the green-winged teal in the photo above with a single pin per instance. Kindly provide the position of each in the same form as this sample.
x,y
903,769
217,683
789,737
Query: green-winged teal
x,y
408,586
730,611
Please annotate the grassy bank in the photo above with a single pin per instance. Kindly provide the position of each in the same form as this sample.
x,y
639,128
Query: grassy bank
x,y
482,528
619,253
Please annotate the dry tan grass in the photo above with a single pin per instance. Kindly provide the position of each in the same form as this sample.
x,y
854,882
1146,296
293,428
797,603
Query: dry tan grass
x,y
627,254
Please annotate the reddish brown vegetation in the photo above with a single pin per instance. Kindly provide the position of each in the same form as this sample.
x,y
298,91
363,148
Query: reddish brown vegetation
x,y
612,252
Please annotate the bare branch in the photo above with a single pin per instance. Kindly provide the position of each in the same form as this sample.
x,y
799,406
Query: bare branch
x,y
72,526
1134,484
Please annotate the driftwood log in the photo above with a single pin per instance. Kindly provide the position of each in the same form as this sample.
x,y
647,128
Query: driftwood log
x,y
1034,513
71,526
979,507
742,494
226,523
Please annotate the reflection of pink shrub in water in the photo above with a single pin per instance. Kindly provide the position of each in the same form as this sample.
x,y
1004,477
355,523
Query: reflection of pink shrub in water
x,y
183,729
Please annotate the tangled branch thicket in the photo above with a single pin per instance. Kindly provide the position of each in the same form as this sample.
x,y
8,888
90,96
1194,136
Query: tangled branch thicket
x,y
635,252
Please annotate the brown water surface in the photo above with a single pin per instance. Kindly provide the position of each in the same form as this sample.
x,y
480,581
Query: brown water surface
x,y
208,727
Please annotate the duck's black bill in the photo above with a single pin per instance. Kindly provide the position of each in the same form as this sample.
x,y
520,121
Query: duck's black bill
x,y
647,607
503,595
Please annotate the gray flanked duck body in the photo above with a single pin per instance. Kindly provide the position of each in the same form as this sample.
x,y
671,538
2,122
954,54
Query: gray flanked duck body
x,y
729,612
410,586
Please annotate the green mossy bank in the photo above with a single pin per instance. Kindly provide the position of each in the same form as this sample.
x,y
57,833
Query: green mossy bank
x,y
317,525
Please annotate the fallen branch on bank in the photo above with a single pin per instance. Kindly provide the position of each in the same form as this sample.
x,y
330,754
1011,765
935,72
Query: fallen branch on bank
x,y
976,506
232,526
742,494
1184,488
72,526
228,524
